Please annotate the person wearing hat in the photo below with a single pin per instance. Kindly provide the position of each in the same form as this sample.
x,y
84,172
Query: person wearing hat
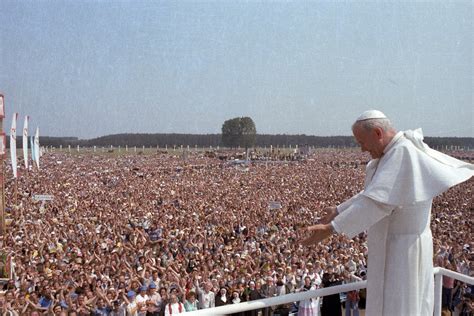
x,y
255,294
401,181
132,307
221,297
154,303
142,300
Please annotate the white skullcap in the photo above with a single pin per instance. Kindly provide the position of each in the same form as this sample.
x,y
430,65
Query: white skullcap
x,y
371,114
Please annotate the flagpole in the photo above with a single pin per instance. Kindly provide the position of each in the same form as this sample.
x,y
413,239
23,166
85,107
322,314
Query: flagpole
x,y
13,153
2,170
2,187
16,193
25,144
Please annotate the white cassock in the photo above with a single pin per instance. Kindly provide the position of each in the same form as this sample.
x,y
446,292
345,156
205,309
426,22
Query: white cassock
x,y
395,207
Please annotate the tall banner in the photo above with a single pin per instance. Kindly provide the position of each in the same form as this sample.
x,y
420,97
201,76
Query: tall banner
x,y
3,145
13,144
32,145
37,148
2,107
25,141
5,266
3,137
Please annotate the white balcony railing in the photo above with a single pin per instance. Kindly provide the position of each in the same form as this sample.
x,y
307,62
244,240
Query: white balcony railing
x,y
295,297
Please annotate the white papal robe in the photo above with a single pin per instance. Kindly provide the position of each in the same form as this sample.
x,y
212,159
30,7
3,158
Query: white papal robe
x,y
395,208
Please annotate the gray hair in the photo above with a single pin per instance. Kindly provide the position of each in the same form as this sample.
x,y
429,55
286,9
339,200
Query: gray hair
x,y
370,124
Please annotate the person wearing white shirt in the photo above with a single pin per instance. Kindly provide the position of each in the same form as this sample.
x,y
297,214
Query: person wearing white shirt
x,y
142,300
206,296
395,207
132,308
309,307
155,300
174,306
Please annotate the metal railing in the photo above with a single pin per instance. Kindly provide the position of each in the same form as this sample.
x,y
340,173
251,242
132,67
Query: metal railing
x,y
295,297
438,274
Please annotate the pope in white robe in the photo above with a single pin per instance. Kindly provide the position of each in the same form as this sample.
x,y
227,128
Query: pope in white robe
x,y
395,208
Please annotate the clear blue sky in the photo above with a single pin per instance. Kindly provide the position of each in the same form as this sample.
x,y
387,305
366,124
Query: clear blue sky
x,y
92,68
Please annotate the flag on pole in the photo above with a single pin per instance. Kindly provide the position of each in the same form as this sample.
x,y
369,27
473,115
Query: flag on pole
x,y
2,107
32,145
25,141
13,144
3,136
37,148
3,144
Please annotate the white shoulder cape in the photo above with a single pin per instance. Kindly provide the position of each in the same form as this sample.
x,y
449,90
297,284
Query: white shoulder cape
x,y
410,171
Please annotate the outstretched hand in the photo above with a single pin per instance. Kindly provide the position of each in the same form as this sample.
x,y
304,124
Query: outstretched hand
x,y
318,232
330,214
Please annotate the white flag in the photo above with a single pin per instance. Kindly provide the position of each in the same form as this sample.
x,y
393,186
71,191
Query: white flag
x,y
32,146
13,144
3,136
25,141
2,107
3,144
37,148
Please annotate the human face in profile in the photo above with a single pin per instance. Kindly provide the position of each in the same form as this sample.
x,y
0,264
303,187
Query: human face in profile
x,y
370,140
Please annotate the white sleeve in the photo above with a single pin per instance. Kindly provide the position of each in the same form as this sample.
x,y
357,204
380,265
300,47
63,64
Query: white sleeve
x,y
344,205
361,214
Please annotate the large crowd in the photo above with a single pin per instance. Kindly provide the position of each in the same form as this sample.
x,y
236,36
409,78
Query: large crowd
x,y
160,234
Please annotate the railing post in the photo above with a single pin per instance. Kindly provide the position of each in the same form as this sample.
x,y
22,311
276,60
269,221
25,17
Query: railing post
x,y
438,286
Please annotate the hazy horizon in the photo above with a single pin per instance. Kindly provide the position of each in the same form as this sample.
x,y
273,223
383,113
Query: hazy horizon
x,y
97,68
79,138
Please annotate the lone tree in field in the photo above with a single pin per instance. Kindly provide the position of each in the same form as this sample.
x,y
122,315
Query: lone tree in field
x,y
239,131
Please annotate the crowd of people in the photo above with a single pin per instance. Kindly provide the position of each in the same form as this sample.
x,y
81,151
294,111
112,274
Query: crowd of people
x,y
160,234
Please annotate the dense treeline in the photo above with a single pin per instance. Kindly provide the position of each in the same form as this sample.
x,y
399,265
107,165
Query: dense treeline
x,y
47,141
317,141
153,140
206,140
466,142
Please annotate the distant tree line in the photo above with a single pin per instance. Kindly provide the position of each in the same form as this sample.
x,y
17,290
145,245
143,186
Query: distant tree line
x,y
206,140
316,141
434,142
153,140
